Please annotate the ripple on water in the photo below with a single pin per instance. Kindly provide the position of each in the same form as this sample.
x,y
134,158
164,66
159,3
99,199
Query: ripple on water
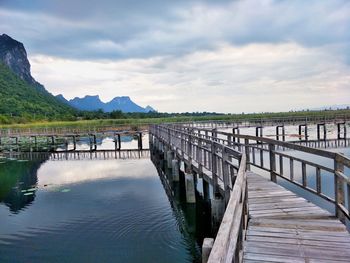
x,y
109,220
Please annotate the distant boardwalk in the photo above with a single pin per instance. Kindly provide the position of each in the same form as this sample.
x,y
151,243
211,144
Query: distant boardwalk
x,y
80,155
262,222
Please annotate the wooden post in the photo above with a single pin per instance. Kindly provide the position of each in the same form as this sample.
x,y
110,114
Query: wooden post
x,y
339,187
119,142
199,155
115,143
225,174
247,153
259,131
291,169
206,193
214,168
235,130
278,133
189,150
190,188
338,126
303,174
140,141
175,170
74,142
169,158
66,143
229,140
272,163
217,211
206,249
323,125
305,131
339,130
95,142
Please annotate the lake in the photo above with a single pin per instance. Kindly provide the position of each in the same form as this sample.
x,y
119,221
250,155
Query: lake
x,y
92,211
104,210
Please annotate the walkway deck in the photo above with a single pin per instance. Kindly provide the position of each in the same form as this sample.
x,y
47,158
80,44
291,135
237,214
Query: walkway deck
x,y
284,227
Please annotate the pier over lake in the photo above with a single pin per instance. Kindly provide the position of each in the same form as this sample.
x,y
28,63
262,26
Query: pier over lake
x,y
190,192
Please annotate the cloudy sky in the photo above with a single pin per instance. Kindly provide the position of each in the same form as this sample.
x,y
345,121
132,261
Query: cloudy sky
x,y
182,55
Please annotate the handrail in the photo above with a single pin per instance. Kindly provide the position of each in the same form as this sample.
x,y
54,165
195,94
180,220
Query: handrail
x,y
272,160
293,118
262,120
264,153
228,242
208,154
217,159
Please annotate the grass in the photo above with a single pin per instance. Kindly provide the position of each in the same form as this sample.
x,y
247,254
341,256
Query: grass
x,y
145,121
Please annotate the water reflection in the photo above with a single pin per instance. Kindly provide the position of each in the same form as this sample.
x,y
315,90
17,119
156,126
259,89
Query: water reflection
x,y
18,183
81,143
194,219
93,211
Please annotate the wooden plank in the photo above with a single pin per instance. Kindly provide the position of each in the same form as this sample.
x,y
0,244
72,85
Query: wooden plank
x,y
286,228
301,251
301,236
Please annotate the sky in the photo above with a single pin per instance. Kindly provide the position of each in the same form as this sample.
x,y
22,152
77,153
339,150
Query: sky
x,y
183,55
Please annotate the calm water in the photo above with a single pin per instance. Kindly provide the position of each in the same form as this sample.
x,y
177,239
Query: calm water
x,y
91,211
105,211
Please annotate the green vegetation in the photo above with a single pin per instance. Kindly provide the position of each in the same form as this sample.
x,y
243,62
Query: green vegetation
x,y
25,106
20,102
138,119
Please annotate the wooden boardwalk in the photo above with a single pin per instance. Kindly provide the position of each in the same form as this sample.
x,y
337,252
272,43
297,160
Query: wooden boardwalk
x,y
263,222
284,227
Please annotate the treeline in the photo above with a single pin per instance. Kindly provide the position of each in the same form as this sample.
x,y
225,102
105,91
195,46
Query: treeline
x,y
118,117
94,115
91,115
21,102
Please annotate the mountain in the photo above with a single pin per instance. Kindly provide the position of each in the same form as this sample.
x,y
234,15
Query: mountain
x,y
20,94
149,108
124,103
88,103
91,103
14,55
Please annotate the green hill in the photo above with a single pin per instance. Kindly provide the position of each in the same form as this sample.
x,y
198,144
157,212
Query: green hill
x,y
20,100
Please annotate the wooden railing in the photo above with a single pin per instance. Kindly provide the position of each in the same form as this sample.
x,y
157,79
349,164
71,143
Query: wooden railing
x,y
52,131
228,245
226,168
226,156
249,122
209,156
308,168
253,122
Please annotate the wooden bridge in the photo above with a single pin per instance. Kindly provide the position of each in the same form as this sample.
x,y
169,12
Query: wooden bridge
x,y
78,155
67,142
278,122
263,221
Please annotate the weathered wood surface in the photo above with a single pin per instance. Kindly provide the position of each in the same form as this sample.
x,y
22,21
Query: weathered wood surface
x,y
284,227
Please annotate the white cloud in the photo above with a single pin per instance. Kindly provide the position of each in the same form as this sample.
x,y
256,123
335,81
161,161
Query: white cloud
x,y
230,56
255,77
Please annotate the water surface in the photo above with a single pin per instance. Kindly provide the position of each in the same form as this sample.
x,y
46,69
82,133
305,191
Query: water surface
x,y
89,211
